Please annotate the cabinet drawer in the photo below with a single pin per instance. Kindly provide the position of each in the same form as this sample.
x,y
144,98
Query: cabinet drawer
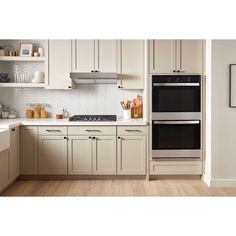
x,y
131,130
91,130
176,168
52,130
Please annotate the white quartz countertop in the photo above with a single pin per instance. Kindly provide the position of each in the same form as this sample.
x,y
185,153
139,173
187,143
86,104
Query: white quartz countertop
x,y
11,123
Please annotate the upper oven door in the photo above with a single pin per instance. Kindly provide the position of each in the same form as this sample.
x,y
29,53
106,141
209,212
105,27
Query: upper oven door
x,y
176,94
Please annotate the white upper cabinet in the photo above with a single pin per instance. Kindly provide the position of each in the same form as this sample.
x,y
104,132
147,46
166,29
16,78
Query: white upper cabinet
x,y
83,55
94,55
162,55
176,56
59,64
191,56
106,55
132,64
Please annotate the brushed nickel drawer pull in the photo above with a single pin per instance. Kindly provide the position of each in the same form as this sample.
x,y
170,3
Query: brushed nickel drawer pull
x,y
53,130
133,130
93,130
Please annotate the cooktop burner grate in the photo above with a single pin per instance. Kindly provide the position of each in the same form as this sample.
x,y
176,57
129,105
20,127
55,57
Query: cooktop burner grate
x,y
93,118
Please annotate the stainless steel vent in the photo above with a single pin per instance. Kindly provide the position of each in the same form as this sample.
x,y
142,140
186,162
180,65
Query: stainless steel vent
x,y
94,78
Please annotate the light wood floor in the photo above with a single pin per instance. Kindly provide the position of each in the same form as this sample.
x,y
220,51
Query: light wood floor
x,y
115,188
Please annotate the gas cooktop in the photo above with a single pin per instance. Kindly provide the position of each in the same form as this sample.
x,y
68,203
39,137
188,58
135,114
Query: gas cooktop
x,y
93,118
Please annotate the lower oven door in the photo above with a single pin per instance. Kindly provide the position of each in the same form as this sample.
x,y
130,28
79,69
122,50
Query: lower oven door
x,y
176,139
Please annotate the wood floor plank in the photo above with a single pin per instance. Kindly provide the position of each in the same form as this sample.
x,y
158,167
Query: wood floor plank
x,y
122,187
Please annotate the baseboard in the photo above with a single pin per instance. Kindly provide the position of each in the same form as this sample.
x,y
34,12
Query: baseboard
x,y
82,177
219,182
206,180
223,183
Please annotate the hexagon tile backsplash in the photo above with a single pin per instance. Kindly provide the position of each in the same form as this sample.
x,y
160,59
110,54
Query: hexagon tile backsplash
x,y
87,99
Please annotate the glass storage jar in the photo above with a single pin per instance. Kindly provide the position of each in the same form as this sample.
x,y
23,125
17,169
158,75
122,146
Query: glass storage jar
x,y
29,111
37,111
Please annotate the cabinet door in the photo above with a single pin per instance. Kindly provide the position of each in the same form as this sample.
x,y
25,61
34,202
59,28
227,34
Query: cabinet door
x,y
162,56
52,155
29,150
106,55
79,155
104,155
83,55
191,53
59,64
14,168
132,64
4,173
131,155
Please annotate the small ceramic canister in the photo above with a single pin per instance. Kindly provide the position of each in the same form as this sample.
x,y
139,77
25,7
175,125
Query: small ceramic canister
x,y
41,52
127,115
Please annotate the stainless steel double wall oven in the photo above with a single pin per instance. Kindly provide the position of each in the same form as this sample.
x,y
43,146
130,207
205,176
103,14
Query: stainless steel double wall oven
x,y
176,116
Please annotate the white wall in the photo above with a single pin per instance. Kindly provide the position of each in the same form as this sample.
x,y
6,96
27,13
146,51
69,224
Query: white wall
x,y
223,120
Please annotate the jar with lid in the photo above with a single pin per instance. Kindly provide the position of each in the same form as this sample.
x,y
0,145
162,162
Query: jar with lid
x,y
29,111
44,112
5,112
37,111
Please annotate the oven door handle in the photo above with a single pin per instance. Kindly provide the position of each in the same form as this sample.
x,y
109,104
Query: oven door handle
x,y
175,84
179,122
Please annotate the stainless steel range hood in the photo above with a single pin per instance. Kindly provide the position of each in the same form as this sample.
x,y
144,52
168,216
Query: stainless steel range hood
x,y
94,78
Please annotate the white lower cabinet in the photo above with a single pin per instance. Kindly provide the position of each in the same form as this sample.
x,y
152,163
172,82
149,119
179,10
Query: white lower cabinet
x,y
92,155
104,155
29,150
4,169
14,162
131,155
52,155
79,155
82,150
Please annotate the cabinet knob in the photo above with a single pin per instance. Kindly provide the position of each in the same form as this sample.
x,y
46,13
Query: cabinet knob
x,y
178,71
69,86
94,137
92,70
90,137
119,137
174,70
65,137
13,129
120,86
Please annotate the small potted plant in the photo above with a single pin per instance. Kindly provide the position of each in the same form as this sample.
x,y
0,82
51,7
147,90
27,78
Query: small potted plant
x,y
2,51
